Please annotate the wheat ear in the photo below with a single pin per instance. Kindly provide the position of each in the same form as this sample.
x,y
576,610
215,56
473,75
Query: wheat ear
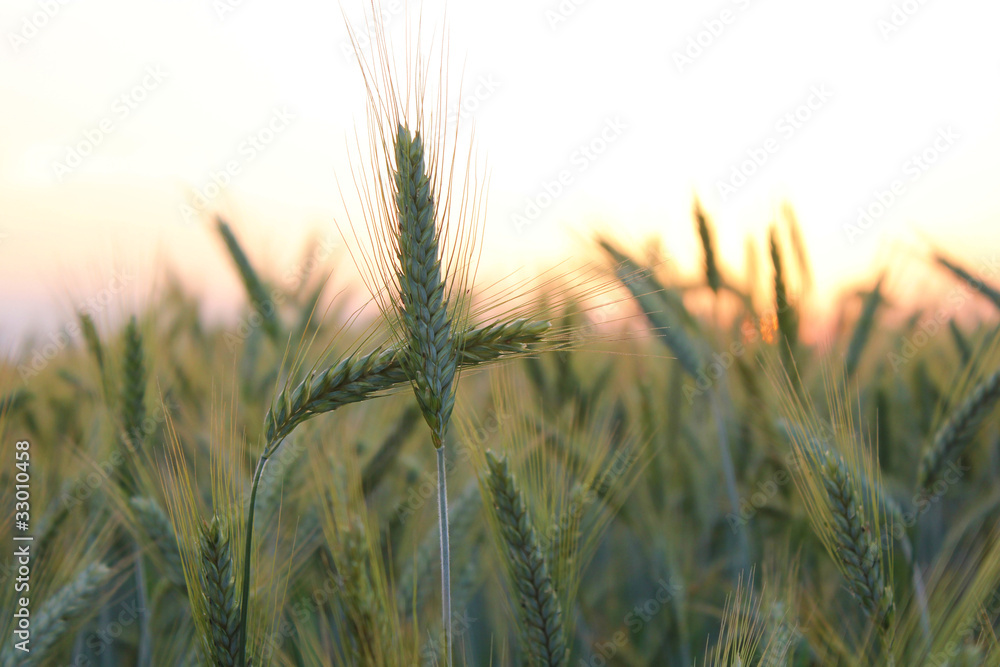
x,y
542,624
133,401
430,358
863,329
712,274
220,595
957,432
857,549
360,377
259,298
652,298
981,286
93,341
788,324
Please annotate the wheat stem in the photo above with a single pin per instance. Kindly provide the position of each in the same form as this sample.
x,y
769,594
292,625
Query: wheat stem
x,y
445,553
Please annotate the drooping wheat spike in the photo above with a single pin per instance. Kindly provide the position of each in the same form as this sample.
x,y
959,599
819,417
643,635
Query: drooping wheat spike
x,y
712,275
360,377
857,548
978,284
259,298
863,328
541,613
220,595
956,433
664,324
160,532
68,604
788,324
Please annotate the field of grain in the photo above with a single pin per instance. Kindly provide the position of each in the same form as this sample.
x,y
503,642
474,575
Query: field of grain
x,y
601,465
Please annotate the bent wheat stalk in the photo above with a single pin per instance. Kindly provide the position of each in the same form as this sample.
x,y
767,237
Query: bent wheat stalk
x,y
358,378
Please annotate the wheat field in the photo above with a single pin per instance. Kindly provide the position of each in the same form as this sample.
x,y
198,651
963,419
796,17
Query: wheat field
x,y
601,465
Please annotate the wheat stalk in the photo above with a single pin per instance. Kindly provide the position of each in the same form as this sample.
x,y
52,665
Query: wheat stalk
x,y
358,378
464,512
430,358
541,612
957,432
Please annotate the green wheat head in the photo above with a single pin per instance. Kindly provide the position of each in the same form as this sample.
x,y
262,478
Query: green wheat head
x,y
431,356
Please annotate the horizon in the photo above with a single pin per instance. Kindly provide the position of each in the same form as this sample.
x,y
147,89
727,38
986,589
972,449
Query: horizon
x,y
250,111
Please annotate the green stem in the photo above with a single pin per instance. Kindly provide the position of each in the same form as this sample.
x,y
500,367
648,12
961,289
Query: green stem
x,y
445,553
247,547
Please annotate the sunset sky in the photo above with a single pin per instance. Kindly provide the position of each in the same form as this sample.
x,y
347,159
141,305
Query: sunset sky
x,y
127,121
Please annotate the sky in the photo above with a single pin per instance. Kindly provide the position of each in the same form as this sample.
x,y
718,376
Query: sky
x,y
129,123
